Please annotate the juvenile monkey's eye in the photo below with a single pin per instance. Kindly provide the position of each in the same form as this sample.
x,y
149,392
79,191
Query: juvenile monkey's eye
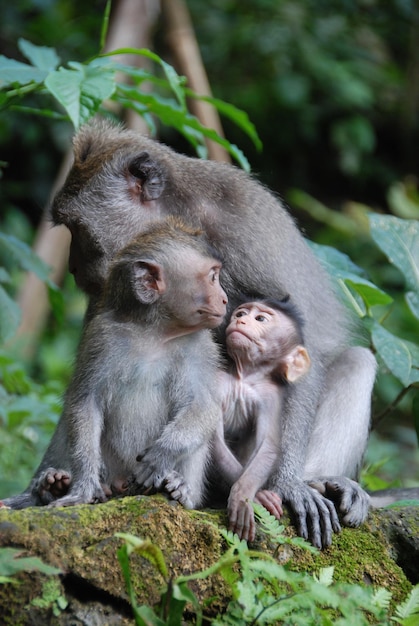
x,y
241,313
214,274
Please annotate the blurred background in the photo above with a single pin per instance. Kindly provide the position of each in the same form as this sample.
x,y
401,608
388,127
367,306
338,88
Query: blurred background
x,y
333,90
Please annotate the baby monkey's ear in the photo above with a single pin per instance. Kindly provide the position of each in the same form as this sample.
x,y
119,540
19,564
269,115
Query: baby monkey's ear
x,y
297,363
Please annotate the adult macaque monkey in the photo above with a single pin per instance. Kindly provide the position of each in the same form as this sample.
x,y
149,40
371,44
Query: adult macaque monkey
x,y
145,378
122,181
264,341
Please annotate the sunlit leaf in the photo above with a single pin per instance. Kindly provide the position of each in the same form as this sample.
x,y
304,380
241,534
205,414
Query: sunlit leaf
x,y
81,89
370,293
14,72
40,56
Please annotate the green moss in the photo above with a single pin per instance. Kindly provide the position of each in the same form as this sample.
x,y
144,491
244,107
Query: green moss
x,y
81,541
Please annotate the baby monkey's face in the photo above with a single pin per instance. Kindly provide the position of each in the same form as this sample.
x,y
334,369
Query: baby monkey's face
x,y
258,324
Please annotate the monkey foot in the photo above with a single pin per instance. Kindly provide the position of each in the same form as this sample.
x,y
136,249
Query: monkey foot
x,y
52,484
351,501
175,486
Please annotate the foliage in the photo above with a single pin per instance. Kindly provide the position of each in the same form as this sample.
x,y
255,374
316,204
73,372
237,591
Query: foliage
x,y
52,597
11,563
398,240
29,412
82,88
262,590
20,255
330,87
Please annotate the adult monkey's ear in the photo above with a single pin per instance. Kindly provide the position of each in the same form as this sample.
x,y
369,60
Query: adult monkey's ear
x,y
148,281
146,177
297,363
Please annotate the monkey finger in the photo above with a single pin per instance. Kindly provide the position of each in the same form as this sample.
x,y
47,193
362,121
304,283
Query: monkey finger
x,y
271,501
314,518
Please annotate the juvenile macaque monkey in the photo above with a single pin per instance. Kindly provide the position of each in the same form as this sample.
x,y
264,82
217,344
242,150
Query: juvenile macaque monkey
x,y
145,378
264,341
122,181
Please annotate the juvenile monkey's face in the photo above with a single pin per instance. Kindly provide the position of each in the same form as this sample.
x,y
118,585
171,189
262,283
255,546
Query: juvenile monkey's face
x,y
259,330
196,297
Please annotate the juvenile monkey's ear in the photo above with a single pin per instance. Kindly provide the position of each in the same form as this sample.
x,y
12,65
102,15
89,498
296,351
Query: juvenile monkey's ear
x,y
146,177
148,281
297,364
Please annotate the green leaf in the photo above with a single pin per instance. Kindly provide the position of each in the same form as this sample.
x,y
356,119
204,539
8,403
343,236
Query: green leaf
x,y
147,549
325,576
239,117
14,72
10,563
6,579
399,240
335,262
351,279
415,411
81,89
40,56
145,616
370,293
410,606
24,256
10,316
382,598
175,81
397,354
399,503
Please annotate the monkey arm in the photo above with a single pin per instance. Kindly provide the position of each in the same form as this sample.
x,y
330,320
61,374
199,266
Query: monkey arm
x,y
258,468
229,466
315,516
192,428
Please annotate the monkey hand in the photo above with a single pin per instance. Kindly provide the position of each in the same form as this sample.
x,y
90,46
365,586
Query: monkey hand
x,y
271,501
350,499
52,484
151,472
241,517
175,486
315,516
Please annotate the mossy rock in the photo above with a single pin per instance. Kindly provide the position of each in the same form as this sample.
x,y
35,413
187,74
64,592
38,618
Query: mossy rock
x,y
81,542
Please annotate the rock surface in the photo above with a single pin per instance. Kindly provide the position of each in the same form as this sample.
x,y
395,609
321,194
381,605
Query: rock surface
x,y
81,542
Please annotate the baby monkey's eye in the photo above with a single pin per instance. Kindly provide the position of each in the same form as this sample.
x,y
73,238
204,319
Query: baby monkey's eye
x,y
240,313
261,318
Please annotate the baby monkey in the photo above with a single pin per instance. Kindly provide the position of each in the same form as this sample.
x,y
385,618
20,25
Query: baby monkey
x,y
264,341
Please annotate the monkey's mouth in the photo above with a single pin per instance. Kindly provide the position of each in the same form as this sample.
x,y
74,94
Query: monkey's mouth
x,y
211,319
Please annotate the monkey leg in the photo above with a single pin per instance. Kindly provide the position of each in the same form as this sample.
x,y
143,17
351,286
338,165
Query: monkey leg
x,y
340,435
